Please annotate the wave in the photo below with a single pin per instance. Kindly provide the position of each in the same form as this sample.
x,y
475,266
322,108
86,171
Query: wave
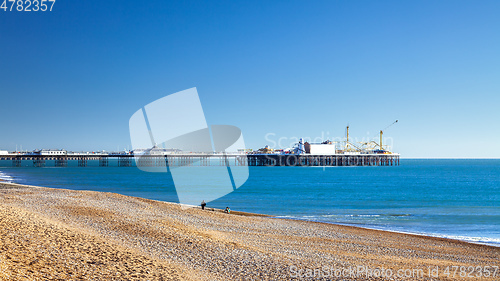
x,y
471,239
347,219
5,177
348,216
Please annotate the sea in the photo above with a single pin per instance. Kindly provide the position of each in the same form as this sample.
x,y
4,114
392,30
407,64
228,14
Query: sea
x,y
451,198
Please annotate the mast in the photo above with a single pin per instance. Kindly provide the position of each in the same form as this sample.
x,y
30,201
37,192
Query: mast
x,y
347,138
381,133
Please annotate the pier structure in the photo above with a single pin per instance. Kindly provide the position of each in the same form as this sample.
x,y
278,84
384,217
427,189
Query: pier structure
x,y
61,162
103,161
324,160
216,159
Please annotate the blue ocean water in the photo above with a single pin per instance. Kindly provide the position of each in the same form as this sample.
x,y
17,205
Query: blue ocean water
x,y
446,198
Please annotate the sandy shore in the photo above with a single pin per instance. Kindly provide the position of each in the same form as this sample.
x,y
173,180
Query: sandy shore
x,y
72,235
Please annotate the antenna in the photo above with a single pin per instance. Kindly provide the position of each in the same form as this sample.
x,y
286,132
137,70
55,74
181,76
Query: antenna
x,y
391,125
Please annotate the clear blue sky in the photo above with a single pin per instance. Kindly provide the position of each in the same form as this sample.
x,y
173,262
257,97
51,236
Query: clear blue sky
x,y
71,78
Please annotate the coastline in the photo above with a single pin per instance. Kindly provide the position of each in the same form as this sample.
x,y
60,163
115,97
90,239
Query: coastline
x,y
463,212
134,238
240,213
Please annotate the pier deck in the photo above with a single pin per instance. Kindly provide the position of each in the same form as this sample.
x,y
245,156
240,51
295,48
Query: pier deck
x,y
130,160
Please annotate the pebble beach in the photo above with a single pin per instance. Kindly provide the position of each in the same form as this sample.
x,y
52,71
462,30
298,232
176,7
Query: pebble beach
x,y
61,234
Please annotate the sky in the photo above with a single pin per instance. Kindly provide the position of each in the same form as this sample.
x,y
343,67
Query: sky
x,y
72,77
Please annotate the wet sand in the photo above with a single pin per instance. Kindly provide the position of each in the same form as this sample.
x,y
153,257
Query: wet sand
x,y
78,235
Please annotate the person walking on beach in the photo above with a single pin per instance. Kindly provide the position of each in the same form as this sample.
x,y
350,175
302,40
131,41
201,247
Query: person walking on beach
x,y
227,210
203,204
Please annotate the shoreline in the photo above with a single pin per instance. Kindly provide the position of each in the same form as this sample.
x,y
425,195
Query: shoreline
x,y
72,234
425,235
249,214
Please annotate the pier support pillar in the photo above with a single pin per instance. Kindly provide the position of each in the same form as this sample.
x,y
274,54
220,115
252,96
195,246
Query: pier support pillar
x,y
103,162
61,162
82,162
16,162
124,162
39,162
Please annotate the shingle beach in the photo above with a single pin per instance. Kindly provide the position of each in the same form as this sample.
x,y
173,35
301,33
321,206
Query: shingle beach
x,y
60,234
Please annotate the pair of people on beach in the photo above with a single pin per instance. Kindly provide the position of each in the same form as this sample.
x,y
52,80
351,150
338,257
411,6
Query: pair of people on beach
x,y
203,204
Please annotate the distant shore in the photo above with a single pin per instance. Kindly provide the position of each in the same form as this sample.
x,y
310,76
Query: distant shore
x,y
68,234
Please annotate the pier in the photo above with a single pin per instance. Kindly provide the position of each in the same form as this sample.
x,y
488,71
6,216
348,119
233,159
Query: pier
x,y
216,159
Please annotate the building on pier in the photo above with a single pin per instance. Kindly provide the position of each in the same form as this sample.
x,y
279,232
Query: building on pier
x,y
49,152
